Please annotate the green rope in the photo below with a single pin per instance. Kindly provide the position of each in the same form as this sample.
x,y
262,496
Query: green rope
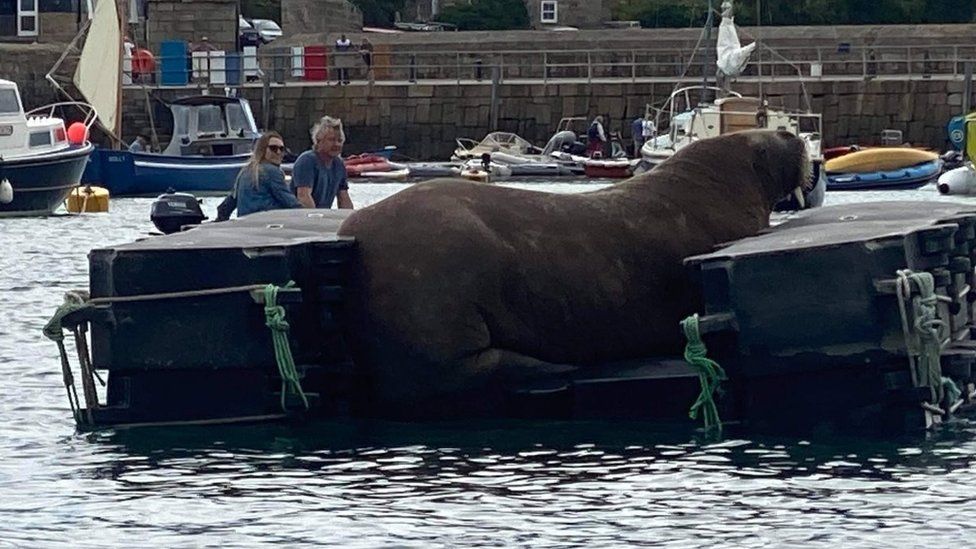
x,y
929,330
710,374
73,301
952,391
274,315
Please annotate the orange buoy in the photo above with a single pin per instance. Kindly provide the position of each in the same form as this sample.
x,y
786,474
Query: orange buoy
x,y
77,133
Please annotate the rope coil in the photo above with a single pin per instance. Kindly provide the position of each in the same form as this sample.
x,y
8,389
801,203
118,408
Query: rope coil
x,y
924,332
710,375
275,320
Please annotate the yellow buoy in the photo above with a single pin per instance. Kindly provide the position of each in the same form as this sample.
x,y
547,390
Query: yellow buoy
x,y
87,199
880,159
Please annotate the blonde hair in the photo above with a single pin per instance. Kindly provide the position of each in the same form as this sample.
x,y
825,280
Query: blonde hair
x,y
258,154
325,124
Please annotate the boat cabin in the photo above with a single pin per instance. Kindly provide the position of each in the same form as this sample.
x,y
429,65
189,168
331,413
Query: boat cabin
x,y
212,125
27,134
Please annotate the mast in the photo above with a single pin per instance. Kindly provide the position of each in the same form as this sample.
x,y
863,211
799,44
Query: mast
x,y
708,44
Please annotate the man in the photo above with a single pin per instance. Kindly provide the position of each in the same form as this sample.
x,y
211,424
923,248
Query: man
x,y
596,138
319,176
649,129
637,133
140,144
342,46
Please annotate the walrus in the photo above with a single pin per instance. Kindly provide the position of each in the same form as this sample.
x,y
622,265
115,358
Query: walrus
x,y
457,283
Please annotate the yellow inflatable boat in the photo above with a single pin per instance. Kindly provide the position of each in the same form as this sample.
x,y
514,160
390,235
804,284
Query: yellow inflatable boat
x,y
879,159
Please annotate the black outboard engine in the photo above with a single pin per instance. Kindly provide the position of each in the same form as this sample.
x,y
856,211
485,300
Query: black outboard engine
x,y
173,211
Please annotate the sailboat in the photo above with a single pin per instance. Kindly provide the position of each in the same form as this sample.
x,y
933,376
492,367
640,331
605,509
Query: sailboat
x,y
733,112
212,136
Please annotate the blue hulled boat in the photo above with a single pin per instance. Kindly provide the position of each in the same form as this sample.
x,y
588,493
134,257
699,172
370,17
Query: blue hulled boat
x,y
212,140
38,165
911,177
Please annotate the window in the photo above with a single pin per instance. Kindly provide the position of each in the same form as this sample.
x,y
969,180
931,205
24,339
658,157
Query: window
x,y
210,119
549,11
8,102
27,18
38,139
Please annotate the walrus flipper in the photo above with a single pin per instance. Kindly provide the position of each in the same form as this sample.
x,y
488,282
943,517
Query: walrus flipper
x,y
513,366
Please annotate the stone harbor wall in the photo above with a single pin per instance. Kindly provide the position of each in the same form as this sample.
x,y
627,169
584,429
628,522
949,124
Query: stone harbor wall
x,y
309,16
423,120
191,20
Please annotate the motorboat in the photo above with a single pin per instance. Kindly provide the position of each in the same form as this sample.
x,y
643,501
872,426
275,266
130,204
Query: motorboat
x,y
39,165
211,141
521,156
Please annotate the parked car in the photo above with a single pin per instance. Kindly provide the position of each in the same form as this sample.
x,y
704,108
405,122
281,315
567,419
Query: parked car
x,y
268,29
249,36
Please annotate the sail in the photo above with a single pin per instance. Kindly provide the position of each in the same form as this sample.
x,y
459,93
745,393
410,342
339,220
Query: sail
x,y
732,56
100,67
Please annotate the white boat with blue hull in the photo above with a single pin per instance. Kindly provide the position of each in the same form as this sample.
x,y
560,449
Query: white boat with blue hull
x,y
38,165
212,140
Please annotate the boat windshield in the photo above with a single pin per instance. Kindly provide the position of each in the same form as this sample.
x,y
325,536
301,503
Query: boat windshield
x,y
8,102
210,119
238,119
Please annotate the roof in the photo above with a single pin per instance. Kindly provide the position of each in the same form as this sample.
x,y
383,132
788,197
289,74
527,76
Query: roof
x,y
7,83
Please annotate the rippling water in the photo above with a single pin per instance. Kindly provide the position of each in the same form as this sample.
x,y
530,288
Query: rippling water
x,y
375,484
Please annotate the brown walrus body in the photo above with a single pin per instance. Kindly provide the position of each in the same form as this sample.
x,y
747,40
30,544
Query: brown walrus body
x,y
456,283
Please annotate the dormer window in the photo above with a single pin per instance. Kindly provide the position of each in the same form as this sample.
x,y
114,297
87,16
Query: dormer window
x,y
550,11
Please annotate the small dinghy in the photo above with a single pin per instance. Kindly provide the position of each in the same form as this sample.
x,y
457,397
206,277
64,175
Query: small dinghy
x,y
911,177
603,169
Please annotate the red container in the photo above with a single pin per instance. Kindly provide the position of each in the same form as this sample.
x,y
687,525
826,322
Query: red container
x,y
316,63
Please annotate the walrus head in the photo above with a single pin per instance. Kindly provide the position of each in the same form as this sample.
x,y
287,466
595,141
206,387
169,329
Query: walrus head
x,y
782,163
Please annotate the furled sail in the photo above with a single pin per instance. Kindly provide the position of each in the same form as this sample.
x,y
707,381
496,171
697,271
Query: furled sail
x,y
732,55
98,76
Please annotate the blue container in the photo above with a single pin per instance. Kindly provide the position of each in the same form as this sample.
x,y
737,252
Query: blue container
x,y
173,65
232,68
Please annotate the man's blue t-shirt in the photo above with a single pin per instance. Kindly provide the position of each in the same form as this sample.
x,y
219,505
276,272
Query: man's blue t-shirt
x,y
326,180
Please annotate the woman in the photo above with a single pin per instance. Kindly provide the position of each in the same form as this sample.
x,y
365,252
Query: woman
x,y
596,138
261,184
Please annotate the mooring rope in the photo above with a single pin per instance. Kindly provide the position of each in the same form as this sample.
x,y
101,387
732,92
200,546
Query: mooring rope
x,y
925,331
78,300
710,374
275,320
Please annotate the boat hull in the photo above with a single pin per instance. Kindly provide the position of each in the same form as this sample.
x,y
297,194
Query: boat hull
x,y
146,174
41,183
906,178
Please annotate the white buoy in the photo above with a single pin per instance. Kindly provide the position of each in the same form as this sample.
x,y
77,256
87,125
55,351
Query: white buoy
x,y
961,180
6,192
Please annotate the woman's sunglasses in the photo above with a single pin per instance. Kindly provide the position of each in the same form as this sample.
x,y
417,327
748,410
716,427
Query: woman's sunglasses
x,y
276,148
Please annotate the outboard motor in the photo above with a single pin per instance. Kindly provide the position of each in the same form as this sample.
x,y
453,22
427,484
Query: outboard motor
x,y
173,211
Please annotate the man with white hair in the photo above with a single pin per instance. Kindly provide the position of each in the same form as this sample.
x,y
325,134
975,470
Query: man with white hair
x,y
319,176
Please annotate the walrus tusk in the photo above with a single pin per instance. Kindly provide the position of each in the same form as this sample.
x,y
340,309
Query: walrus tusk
x,y
798,193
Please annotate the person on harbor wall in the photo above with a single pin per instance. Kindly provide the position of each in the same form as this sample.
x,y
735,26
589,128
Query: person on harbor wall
x,y
319,176
342,60
261,184
596,138
366,51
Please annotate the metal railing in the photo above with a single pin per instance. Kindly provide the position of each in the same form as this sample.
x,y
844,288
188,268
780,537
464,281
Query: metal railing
x,y
289,67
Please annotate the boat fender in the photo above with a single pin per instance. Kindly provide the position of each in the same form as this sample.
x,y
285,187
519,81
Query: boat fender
x,y
961,180
6,192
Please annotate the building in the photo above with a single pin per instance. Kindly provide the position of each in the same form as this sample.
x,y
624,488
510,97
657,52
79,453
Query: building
x,y
543,14
40,20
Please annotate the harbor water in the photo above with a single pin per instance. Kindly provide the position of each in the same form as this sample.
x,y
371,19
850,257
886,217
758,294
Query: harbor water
x,y
442,484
